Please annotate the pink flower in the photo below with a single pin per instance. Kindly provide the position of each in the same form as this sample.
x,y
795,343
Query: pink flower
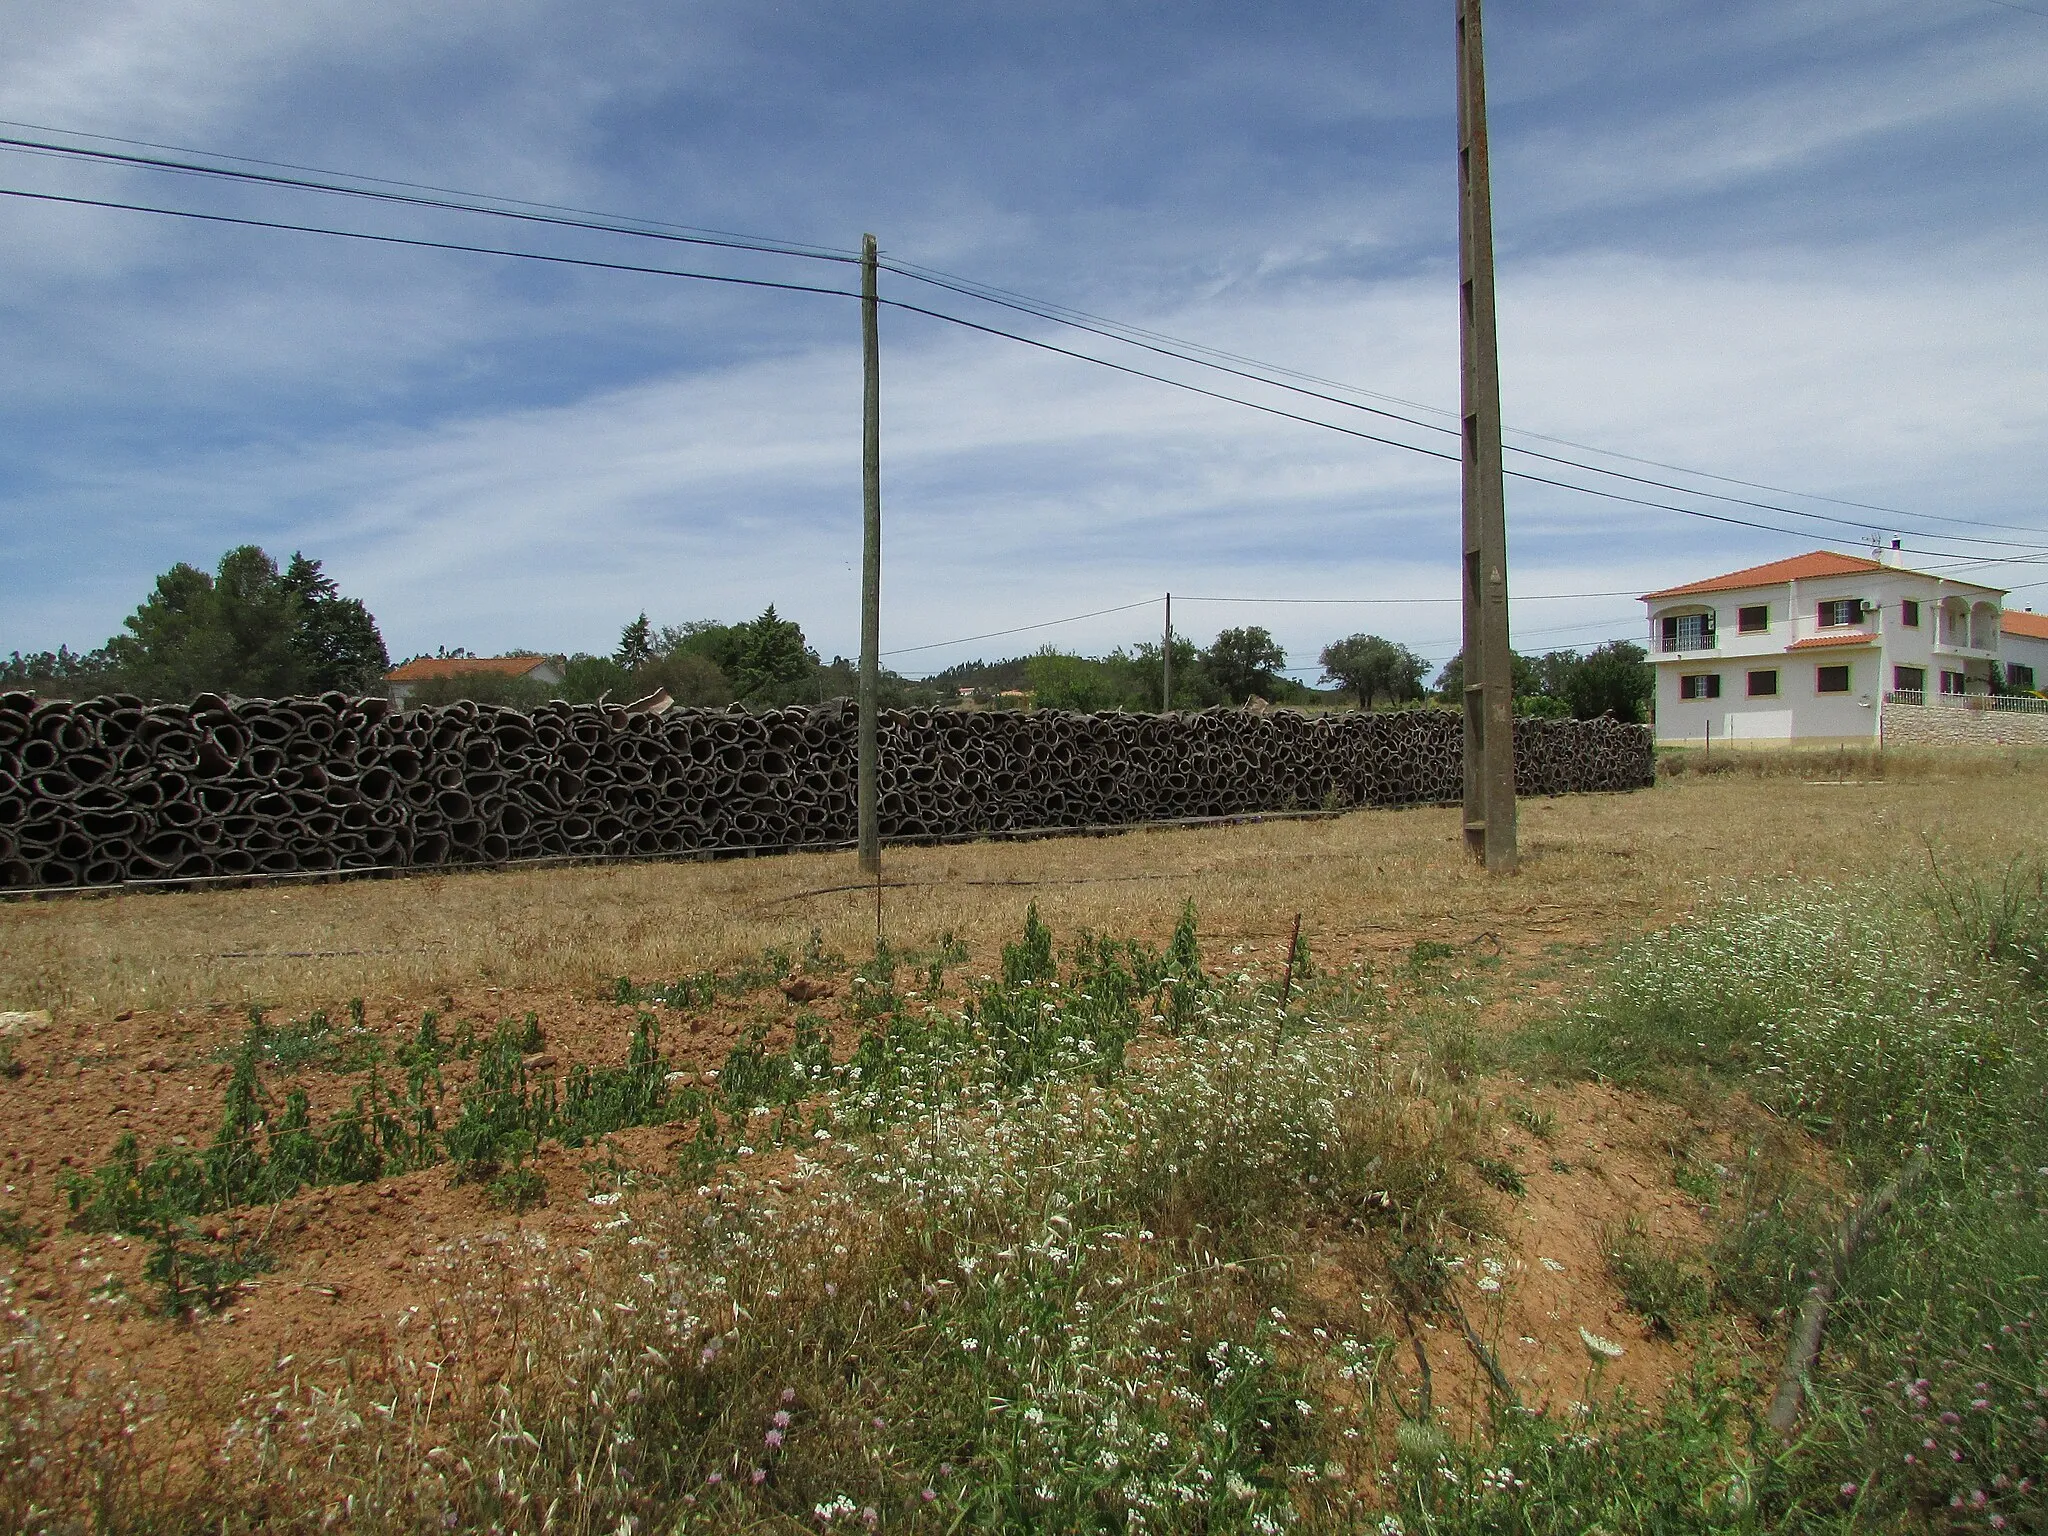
x,y
1848,1490
715,1478
929,1494
781,1419
774,1439
789,1394
871,1517
757,1477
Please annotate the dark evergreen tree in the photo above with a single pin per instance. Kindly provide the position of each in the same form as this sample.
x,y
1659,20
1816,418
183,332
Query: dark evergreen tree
x,y
1244,662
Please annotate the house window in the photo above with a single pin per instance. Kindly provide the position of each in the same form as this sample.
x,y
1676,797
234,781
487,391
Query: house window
x,y
1763,685
1831,680
1909,613
1753,621
1909,679
1703,685
1688,632
1955,682
1841,610
2019,679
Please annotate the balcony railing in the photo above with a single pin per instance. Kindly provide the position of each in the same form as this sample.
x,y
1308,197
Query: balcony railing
x,y
1989,703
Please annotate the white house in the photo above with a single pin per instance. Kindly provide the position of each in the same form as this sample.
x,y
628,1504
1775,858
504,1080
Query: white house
x,y
1813,648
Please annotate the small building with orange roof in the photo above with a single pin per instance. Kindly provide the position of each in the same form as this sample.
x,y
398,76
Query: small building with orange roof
x,y
1813,649
402,680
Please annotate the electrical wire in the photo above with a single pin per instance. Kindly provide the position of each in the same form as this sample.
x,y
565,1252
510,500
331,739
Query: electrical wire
x,y
1185,351
957,320
1373,437
1517,597
428,245
478,202
996,634
1151,341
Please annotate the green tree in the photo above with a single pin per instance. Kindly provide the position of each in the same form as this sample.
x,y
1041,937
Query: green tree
x,y
588,679
1370,665
248,629
690,677
1137,677
769,660
1538,683
636,645
1613,678
1061,681
334,640
1243,662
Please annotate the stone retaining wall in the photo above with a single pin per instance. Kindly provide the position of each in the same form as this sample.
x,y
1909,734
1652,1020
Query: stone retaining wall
x,y
1954,725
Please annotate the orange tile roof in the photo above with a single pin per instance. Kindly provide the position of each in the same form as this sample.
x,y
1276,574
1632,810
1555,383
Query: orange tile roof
x,y
2033,625
1807,567
427,668
1822,642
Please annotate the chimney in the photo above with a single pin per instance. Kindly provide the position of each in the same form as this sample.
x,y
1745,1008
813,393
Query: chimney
x,y
1891,557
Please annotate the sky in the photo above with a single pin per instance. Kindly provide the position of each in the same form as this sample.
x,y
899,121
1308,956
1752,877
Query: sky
x,y
1789,243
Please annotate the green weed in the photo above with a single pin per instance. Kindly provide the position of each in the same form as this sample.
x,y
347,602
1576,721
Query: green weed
x,y
1656,1280
1503,1176
192,1272
1540,1123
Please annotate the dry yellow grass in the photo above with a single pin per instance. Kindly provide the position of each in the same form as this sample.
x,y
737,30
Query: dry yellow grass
x,y
1592,866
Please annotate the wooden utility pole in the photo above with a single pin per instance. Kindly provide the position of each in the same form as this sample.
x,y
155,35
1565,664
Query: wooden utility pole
x,y
870,564
1166,662
1489,664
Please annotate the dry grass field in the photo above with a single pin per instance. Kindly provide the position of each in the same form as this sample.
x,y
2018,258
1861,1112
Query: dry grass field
x,y
1591,865
1552,1203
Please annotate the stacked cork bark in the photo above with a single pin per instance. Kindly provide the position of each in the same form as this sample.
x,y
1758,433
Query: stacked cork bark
x,y
109,791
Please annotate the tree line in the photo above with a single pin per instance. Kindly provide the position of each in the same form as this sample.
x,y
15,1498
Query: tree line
x,y
256,629
249,628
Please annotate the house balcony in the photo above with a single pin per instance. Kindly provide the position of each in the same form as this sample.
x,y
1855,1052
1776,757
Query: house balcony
x,y
1697,645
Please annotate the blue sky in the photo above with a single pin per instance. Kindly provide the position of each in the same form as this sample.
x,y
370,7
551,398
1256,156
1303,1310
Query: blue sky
x,y
1792,243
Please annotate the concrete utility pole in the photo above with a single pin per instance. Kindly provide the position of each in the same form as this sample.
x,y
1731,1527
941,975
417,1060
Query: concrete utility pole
x,y
870,563
1489,664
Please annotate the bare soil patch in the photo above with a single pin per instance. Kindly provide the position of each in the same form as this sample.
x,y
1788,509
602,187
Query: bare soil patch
x,y
149,994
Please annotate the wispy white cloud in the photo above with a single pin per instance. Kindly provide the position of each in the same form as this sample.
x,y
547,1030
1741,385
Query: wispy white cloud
x,y
494,457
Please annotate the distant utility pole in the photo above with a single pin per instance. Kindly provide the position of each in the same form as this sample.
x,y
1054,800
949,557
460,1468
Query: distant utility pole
x,y
1489,664
870,563
1166,662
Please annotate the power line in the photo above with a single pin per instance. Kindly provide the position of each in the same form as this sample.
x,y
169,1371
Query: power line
x,y
584,218
429,245
1534,597
2011,5
1330,426
1046,346
1519,597
1156,342
1190,352
997,634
